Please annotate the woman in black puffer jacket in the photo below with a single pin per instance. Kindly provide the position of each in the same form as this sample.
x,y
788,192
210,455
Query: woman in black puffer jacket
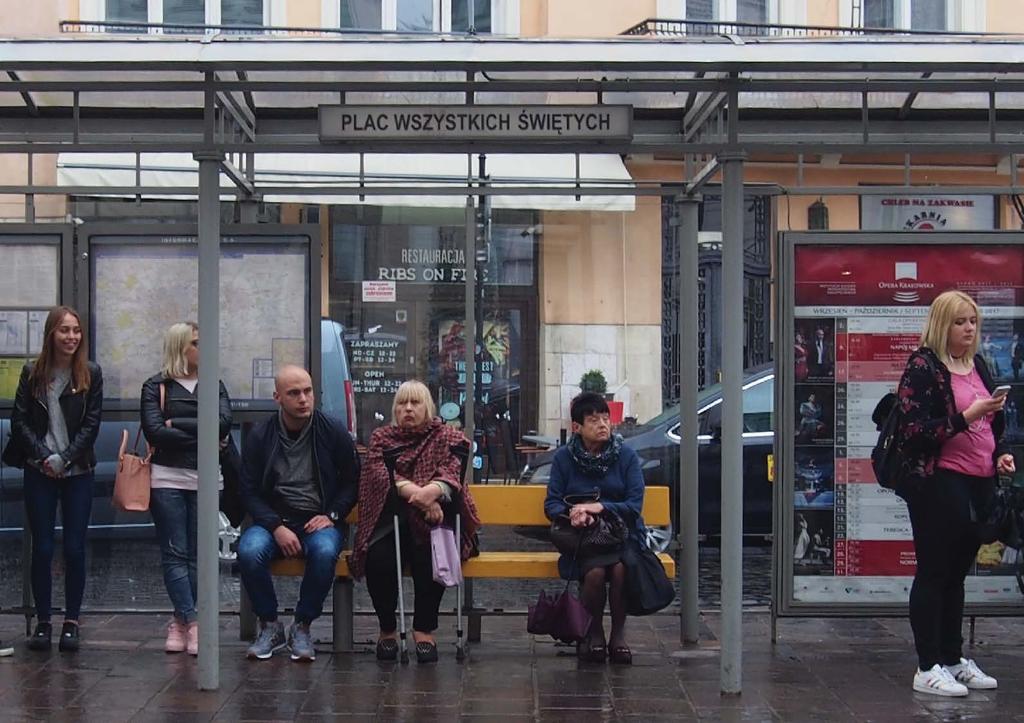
x,y
170,406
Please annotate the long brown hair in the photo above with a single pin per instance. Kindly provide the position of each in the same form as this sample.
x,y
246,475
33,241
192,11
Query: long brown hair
x,y
43,369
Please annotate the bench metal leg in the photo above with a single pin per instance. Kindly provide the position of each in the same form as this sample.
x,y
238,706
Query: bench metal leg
x,y
475,618
246,616
343,610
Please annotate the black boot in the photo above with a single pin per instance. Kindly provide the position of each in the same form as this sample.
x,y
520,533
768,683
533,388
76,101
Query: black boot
x,y
42,638
68,638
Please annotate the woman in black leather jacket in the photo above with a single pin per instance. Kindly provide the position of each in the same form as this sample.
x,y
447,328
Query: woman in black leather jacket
x,y
170,405
54,424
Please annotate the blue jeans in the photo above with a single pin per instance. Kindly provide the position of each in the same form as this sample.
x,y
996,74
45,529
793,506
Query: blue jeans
x,y
41,496
174,514
256,550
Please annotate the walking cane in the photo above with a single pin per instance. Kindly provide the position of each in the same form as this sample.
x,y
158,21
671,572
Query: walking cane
x,y
462,452
390,459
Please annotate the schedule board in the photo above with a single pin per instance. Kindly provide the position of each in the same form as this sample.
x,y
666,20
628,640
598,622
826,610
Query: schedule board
x,y
35,279
853,309
142,281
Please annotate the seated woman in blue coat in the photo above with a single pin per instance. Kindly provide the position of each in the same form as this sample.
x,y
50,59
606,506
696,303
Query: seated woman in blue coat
x,y
592,474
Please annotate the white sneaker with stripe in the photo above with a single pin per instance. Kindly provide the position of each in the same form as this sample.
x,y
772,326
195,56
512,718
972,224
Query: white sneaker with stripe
x,y
968,673
938,681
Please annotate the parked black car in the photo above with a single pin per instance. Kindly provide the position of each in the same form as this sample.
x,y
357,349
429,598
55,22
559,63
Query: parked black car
x,y
657,444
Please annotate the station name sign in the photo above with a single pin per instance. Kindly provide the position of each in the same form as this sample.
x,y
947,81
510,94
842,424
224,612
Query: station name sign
x,y
476,122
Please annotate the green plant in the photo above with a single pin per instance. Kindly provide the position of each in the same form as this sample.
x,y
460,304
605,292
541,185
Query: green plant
x,y
593,381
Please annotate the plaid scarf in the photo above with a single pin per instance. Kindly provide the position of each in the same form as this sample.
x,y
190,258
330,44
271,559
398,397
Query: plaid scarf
x,y
595,465
426,456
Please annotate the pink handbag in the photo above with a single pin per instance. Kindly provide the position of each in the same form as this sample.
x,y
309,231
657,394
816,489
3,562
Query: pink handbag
x,y
131,483
445,556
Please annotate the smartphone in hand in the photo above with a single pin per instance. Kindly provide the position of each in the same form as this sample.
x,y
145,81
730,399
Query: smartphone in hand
x,y
1001,391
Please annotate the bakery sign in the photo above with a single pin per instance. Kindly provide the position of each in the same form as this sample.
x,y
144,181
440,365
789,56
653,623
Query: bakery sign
x,y
928,213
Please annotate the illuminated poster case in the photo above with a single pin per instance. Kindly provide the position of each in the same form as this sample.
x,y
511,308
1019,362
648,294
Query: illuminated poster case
x,y
853,307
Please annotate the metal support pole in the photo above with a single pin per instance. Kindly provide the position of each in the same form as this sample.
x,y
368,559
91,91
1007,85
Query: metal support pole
x,y
209,418
686,240
468,408
732,423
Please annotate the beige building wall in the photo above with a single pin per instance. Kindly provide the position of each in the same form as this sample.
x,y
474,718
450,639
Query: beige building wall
x,y
600,289
32,19
582,18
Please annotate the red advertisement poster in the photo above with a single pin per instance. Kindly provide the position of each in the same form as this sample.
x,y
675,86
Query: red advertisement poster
x,y
859,313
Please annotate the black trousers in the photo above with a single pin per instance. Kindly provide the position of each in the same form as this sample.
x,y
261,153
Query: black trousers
x,y
382,582
944,515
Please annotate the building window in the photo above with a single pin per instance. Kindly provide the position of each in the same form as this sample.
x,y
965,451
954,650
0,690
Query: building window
x,y
934,15
489,16
126,11
184,12
752,11
360,15
246,13
758,12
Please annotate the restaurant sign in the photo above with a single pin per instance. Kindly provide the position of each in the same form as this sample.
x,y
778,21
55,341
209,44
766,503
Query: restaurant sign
x,y
476,122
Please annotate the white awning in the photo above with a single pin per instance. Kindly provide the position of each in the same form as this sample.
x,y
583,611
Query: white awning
x,y
379,170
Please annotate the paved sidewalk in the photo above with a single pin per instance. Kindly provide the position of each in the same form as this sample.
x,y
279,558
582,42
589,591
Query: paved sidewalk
x,y
827,670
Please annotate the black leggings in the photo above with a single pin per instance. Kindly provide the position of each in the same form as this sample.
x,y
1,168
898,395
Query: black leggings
x,y
382,582
944,517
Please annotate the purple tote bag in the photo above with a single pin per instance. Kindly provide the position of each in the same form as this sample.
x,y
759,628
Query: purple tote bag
x,y
445,556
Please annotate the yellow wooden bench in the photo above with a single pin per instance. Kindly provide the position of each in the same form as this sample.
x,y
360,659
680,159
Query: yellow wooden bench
x,y
497,505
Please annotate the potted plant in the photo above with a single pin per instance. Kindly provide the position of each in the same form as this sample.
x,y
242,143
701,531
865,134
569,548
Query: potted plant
x,y
593,381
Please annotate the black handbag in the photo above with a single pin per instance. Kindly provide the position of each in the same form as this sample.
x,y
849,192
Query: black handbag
x,y
648,588
1005,518
607,534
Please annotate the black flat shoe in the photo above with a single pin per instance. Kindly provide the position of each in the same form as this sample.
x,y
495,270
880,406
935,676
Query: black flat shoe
x,y
387,649
426,652
68,638
42,638
621,655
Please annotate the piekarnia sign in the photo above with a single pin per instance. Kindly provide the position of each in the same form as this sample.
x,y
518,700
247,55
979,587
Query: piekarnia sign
x,y
475,122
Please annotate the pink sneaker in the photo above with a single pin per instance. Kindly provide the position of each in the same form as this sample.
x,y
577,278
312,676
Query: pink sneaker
x,y
175,642
193,638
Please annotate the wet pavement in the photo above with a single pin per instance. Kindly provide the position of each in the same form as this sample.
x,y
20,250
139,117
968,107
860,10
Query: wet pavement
x,y
124,574
820,670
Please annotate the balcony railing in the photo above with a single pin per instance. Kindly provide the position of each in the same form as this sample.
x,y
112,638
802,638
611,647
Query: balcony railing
x,y
133,28
656,27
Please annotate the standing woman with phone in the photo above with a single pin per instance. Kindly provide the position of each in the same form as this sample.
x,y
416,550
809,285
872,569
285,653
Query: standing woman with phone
x,y
54,424
951,435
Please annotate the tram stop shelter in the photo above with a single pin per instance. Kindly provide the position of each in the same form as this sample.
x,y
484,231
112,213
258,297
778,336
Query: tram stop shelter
x,y
241,107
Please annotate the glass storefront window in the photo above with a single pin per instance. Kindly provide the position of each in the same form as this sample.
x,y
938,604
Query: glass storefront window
x,y
398,287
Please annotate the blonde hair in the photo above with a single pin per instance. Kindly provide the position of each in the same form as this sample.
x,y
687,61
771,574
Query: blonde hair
x,y
176,341
415,390
941,315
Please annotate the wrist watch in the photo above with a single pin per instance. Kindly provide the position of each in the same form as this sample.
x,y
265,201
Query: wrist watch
x,y
333,515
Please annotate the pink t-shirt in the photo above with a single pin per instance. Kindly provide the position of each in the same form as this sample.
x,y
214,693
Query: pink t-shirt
x,y
970,452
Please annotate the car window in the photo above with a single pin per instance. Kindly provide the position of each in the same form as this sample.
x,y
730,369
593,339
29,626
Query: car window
x,y
758,401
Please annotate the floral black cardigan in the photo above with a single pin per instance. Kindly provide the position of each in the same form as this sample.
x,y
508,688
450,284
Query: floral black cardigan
x,y
929,415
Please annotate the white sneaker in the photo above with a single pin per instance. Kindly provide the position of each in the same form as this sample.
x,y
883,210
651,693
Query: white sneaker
x,y
968,673
938,681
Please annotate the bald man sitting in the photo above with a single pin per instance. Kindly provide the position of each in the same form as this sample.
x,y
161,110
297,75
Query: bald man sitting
x,y
300,477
